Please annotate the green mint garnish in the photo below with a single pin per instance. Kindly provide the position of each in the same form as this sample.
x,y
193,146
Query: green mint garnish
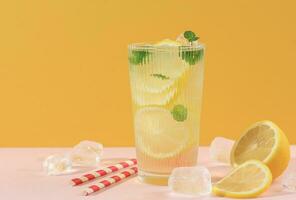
x,y
161,76
179,113
139,57
190,36
191,56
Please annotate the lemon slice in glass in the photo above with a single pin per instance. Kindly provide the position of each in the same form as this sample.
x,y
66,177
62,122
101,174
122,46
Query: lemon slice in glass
x,y
153,90
160,75
266,142
143,98
142,80
158,135
247,180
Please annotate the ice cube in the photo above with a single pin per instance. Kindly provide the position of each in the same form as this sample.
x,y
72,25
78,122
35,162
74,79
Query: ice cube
x,y
220,150
57,164
86,153
191,181
289,182
167,43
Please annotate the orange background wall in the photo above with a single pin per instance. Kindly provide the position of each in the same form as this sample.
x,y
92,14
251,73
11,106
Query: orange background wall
x,y
64,73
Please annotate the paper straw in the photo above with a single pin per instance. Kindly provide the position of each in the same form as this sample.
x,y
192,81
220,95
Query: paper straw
x,y
103,171
108,181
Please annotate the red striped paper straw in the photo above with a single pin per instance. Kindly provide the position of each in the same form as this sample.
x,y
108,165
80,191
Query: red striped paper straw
x,y
103,171
106,182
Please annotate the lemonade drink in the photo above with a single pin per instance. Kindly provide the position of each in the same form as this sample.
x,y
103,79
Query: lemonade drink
x,y
166,82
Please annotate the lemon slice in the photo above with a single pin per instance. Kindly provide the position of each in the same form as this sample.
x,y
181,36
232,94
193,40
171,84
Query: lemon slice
x,y
247,180
162,62
167,65
266,142
158,135
145,98
151,90
158,76
143,81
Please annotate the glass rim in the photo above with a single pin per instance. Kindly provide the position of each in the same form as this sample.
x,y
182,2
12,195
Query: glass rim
x,y
145,46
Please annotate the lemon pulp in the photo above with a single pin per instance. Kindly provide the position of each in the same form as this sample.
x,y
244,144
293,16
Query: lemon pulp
x,y
249,179
263,141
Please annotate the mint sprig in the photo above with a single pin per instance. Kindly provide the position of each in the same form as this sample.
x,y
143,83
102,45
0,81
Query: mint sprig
x,y
190,36
191,56
179,113
139,57
161,76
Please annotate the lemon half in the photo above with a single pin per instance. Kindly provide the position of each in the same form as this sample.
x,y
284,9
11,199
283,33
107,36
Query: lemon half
x,y
266,142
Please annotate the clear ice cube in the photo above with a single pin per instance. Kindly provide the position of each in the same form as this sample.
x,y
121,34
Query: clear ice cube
x,y
57,164
220,150
86,153
191,181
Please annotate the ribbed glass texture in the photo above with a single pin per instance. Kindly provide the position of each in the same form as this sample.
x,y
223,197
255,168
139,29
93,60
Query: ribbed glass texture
x,y
166,85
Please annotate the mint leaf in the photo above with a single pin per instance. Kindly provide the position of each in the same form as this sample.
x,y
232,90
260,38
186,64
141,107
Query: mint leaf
x,y
161,76
191,56
179,113
139,57
190,36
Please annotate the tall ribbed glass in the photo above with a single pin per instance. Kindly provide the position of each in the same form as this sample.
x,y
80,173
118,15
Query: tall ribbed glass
x,y
166,84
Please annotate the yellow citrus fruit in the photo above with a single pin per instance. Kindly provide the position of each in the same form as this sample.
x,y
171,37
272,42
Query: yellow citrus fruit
x,y
158,134
143,98
157,81
152,90
245,181
266,142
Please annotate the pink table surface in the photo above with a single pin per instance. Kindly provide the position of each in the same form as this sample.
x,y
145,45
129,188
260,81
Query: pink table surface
x,y
21,177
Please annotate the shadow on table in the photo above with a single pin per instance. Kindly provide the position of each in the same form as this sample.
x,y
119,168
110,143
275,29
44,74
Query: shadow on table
x,y
76,169
218,171
111,161
276,190
166,194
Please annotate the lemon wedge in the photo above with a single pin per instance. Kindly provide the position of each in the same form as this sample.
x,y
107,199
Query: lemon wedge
x,y
245,181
